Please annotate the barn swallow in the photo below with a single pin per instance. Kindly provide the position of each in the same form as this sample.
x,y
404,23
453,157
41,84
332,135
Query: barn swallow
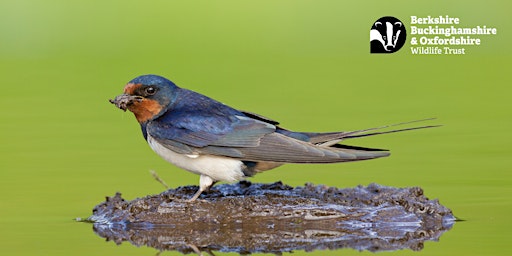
x,y
220,143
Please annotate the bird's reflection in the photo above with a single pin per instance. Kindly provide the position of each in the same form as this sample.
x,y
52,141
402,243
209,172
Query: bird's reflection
x,y
272,237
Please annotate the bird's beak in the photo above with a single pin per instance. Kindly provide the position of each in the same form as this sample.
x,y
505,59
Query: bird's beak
x,y
123,101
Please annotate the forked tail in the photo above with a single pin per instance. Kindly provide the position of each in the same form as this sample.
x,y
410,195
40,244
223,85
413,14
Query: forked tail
x,y
332,138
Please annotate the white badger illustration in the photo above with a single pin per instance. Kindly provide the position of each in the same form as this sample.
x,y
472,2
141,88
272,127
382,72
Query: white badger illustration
x,y
390,38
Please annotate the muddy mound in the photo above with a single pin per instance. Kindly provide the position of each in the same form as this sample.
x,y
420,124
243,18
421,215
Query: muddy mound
x,y
248,217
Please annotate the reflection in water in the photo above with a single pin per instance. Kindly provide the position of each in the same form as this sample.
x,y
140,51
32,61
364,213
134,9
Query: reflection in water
x,y
274,218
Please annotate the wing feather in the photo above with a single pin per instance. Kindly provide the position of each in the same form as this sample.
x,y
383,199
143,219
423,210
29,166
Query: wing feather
x,y
276,147
241,132
279,148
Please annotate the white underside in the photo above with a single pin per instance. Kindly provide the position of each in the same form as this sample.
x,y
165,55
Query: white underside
x,y
216,167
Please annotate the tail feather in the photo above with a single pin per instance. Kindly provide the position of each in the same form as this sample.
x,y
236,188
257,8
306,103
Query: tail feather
x,y
332,138
361,153
392,131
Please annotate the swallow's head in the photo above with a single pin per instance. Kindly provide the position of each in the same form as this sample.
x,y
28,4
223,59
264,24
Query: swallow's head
x,y
147,97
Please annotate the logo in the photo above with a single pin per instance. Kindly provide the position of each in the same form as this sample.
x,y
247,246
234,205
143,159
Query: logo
x,y
387,35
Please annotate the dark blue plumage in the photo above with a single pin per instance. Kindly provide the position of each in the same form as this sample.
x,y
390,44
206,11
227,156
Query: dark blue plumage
x,y
199,121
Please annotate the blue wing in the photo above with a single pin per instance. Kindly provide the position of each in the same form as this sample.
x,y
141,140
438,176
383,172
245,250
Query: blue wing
x,y
196,124
198,121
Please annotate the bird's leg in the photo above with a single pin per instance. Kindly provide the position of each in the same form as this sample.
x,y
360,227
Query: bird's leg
x,y
205,183
196,195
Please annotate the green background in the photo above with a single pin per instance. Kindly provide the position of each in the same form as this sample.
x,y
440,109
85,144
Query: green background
x,y
305,63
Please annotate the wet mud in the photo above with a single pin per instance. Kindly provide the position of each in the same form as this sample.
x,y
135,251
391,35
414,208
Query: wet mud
x,y
273,218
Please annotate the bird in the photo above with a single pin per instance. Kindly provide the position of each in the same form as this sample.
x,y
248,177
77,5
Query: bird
x,y
220,143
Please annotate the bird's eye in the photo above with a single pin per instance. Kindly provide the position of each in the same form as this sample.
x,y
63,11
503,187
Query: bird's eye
x,y
150,90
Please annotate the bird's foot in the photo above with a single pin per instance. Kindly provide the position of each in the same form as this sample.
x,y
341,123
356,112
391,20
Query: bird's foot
x,y
196,195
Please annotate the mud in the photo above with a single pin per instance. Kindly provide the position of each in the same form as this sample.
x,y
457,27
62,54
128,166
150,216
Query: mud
x,y
273,218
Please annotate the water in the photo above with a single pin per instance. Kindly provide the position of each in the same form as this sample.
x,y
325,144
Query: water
x,y
64,147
